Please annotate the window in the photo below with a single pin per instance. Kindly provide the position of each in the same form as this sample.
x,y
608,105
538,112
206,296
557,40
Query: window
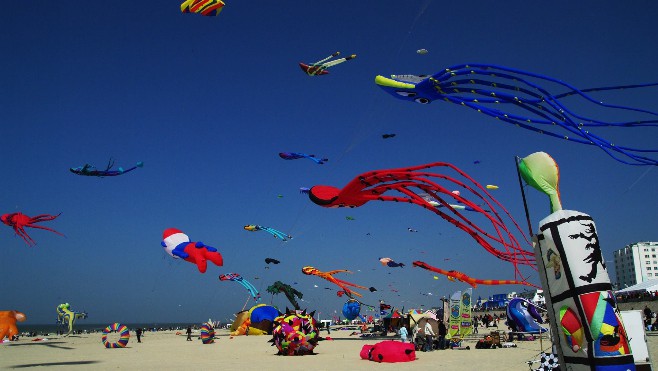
x,y
648,268
646,256
649,274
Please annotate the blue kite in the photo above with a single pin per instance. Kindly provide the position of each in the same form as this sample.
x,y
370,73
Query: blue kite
x,y
297,156
517,97
90,170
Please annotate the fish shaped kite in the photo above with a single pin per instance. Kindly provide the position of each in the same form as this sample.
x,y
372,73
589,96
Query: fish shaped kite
x,y
320,67
521,98
414,183
329,276
388,262
271,260
459,276
20,221
272,231
297,156
90,170
246,284
203,7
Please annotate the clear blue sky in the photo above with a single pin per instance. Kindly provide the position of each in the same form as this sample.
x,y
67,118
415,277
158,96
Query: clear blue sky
x,y
207,104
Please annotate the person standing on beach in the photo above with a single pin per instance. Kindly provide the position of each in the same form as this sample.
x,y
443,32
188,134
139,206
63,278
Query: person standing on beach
x,y
189,333
429,335
403,334
138,332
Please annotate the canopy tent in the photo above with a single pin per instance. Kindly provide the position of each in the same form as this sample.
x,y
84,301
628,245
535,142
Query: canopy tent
x,y
646,286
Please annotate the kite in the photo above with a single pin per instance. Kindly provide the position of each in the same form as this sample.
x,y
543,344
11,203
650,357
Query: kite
x,y
203,7
304,190
20,221
456,275
388,262
297,156
422,51
351,309
412,230
271,260
247,285
329,277
372,289
320,67
349,218
8,326
415,182
178,245
386,136
272,231
67,317
574,275
519,98
491,186
279,287
90,170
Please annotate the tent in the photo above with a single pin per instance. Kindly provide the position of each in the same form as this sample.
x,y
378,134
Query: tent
x,y
646,286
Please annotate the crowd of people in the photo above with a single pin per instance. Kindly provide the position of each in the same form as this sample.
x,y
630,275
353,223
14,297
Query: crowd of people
x,y
637,296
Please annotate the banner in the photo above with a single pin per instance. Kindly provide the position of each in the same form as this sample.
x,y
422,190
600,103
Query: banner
x,y
466,323
455,314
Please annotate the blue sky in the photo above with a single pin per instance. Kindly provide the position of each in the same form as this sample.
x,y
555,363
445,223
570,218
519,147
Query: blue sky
x,y
207,104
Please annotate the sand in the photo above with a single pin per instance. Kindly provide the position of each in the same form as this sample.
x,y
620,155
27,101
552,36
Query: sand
x,y
167,351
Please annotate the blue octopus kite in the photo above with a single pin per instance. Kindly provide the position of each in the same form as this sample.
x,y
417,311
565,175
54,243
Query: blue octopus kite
x,y
489,89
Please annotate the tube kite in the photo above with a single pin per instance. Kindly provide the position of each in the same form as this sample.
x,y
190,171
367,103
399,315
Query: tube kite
x,y
320,67
329,276
474,282
203,7
415,184
297,156
274,232
519,98
589,333
246,284
20,221
178,245
90,170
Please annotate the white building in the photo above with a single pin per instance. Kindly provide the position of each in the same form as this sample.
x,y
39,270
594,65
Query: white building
x,y
636,263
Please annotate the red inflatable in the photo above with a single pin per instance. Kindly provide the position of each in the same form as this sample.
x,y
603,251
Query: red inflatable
x,y
389,351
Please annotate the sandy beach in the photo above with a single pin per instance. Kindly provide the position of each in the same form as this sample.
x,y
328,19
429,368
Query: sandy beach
x,y
166,350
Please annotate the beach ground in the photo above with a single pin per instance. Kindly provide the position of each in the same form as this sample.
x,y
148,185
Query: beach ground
x,y
167,351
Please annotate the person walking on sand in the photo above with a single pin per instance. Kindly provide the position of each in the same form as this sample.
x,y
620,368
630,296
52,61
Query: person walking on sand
x,y
189,333
138,332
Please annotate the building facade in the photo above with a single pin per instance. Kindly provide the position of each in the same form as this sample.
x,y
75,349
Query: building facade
x,y
636,263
